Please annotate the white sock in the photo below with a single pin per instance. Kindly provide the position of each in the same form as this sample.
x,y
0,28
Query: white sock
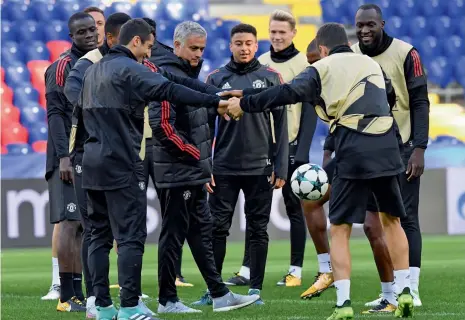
x,y
414,278
55,272
342,291
402,279
388,293
245,272
325,263
296,271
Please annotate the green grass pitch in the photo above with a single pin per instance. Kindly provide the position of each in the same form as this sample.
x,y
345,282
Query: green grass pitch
x,y
26,276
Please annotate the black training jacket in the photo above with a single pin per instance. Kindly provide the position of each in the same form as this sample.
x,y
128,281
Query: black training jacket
x,y
246,147
59,109
114,95
181,135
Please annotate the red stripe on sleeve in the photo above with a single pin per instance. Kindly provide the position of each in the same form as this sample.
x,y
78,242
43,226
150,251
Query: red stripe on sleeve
x,y
418,70
150,65
60,71
169,132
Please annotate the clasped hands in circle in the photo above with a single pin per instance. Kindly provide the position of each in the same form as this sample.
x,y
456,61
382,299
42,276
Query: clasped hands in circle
x,y
230,109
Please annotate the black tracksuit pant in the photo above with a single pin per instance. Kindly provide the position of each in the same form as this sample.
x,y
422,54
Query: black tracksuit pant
x,y
186,215
298,227
258,194
120,214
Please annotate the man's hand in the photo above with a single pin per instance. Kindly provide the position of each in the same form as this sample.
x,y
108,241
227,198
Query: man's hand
x,y
279,183
66,170
231,93
416,164
210,184
234,108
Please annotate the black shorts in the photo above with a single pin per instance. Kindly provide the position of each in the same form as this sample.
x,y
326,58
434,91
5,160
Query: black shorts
x,y
349,198
62,200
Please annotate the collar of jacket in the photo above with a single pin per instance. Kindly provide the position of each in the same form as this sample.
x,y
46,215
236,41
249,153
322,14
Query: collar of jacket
x,y
243,68
119,49
78,52
382,46
340,49
104,48
283,55
192,72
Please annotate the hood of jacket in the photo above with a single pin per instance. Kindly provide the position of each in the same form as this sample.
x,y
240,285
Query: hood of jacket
x,y
163,55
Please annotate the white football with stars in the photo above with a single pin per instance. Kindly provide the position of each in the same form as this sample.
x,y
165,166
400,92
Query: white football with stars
x,y
309,182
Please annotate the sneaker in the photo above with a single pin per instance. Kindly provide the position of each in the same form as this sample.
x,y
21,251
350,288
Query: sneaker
x,y
72,305
323,281
237,280
344,312
233,301
144,296
134,313
91,309
143,307
53,293
290,280
375,302
106,313
416,298
383,307
405,307
176,307
181,282
205,300
256,292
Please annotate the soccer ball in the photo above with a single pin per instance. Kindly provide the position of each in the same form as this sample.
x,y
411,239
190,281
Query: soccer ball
x,y
309,182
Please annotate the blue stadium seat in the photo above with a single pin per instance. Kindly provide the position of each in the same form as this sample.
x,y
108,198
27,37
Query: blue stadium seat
x,y
406,39
176,10
442,27
333,11
454,47
148,9
18,149
430,47
212,26
263,46
11,53
165,29
65,9
352,7
207,67
41,11
217,49
460,70
16,11
455,8
32,115
419,27
16,73
36,50
387,8
440,71
29,30
460,23
8,31
447,140
55,30
432,8
25,95
395,26
405,8
226,27
221,62
38,132
120,6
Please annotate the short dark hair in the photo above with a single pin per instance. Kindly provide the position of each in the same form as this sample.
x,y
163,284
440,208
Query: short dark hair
x,y
331,35
370,6
312,46
151,23
115,21
243,28
77,16
132,28
94,9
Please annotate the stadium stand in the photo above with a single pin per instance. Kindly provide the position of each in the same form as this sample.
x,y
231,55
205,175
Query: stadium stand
x,y
34,34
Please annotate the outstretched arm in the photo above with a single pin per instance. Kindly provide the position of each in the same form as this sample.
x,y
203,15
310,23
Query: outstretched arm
x,y
193,84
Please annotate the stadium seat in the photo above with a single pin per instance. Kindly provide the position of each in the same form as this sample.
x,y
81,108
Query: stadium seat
x,y
37,70
405,8
10,114
24,95
352,8
218,49
8,32
455,8
16,73
440,71
65,9
460,70
226,27
4,150
18,149
2,75
6,94
57,47
419,27
333,11
11,53
55,30
207,67
263,46
430,47
432,8
447,140
387,8
166,29
14,133
454,47
29,30
36,50
395,26
442,27
146,9
121,6
40,146
16,11
461,27
175,10
42,11
37,132
31,115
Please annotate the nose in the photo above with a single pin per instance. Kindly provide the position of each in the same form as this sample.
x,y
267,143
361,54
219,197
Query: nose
x,y
365,29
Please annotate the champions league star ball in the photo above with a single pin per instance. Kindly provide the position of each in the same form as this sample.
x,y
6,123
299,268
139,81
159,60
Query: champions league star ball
x,y
309,182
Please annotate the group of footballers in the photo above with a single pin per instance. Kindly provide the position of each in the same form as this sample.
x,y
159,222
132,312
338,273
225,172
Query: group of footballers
x,y
123,107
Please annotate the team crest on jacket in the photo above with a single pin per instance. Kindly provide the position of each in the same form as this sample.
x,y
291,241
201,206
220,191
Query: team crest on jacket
x,y
78,168
186,194
258,84
71,207
142,185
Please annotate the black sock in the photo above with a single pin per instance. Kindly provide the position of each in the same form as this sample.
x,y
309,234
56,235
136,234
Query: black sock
x,y
66,286
77,285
